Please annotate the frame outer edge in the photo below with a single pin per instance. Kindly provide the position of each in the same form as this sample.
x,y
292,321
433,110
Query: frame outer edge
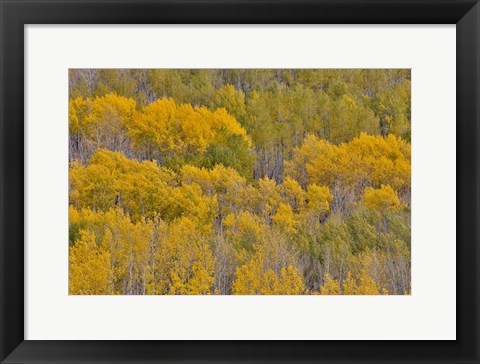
x,y
11,325
3,329
11,179
468,183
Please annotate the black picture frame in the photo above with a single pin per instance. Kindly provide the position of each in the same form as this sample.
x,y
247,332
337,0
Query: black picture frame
x,y
15,14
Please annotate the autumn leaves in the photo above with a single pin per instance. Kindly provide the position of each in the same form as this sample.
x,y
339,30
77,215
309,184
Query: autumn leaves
x,y
171,198
139,228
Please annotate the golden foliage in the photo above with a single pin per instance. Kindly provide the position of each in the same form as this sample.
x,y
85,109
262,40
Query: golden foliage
x,y
381,199
111,180
252,279
102,121
271,270
239,181
90,272
364,161
163,128
365,285
330,286
186,261
285,218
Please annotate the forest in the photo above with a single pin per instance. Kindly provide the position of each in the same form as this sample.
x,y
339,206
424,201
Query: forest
x,y
239,181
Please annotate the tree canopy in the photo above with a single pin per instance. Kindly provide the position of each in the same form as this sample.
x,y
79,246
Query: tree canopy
x,y
239,181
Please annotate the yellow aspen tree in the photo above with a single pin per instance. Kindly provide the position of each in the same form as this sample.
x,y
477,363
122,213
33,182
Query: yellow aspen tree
x,y
319,199
367,286
381,199
364,161
163,129
330,286
89,268
293,194
101,122
249,277
270,284
222,183
270,270
231,99
349,285
291,281
318,204
269,198
245,223
252,280
186,259
78,109
285,218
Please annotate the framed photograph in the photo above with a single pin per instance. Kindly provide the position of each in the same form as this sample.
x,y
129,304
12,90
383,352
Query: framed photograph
x,y
239,181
